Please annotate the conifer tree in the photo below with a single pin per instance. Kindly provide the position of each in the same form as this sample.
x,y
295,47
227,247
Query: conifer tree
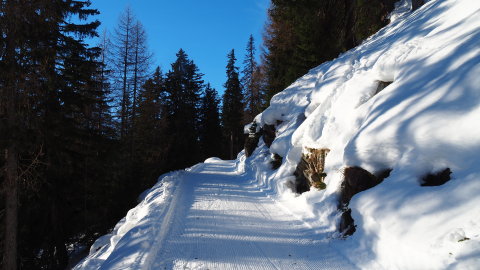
x,y
151,129
71,98
252,83
249,64
48,81
132,60
103,121
302,34
210,131
141,64
232,110
123,61
151,103
183,84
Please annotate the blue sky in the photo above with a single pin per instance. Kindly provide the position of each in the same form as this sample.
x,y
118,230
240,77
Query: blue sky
x,y
206,29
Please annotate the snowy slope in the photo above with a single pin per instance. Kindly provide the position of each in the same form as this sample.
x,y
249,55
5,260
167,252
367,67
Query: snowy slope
x,y
426,120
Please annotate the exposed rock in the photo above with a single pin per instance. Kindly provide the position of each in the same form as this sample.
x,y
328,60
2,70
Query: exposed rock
x,y
310,170
356,180
301,182
416,4
251,140
276,161
436,179
268,134
381,85
347,226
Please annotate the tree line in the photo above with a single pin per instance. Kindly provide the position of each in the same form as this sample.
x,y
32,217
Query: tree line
x,y
302,34
84,129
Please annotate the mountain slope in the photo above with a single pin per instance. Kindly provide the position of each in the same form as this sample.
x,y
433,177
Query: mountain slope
x,y
406,100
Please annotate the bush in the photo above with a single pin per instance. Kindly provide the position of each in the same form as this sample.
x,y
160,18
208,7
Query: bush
x,y
310,170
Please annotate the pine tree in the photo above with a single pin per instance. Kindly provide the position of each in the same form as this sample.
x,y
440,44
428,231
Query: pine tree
x,y
232,110
123,61
302,34
249,65
151,129
210,131
280,45
132,60
12,101
151,105
71,98
183,84
48,83
251,83
103,121
141,64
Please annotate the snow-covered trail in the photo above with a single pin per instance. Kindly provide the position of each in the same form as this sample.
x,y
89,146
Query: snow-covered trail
x,y
218,219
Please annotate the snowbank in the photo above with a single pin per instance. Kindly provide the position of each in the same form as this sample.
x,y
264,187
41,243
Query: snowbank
x,y
423,121
134,236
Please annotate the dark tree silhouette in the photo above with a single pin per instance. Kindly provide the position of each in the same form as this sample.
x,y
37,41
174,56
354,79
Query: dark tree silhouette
x,y
232,110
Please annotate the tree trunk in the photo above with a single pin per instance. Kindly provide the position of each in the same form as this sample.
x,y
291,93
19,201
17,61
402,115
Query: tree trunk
x,y
134,105
11,209
350,18
124,88
416,4
10,94
231,145
61,258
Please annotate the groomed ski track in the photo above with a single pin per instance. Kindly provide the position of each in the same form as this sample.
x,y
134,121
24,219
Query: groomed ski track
x,y
219,219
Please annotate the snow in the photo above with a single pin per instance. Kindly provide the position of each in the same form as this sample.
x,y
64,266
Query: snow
x,y
212,216
424,121
130,241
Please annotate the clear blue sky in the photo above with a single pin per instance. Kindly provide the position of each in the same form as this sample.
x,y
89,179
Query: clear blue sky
x,y
206,29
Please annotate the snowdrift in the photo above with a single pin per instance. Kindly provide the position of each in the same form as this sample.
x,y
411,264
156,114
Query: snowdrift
x,y
407,99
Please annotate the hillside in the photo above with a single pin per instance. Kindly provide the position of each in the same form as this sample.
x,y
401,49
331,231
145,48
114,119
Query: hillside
x,y
390,175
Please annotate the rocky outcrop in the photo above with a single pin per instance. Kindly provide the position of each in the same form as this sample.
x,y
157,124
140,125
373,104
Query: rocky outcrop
x,y
356,180
268,134
251,141
381,85
417,3
436,179
310,170
301,183
346,226
276,161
